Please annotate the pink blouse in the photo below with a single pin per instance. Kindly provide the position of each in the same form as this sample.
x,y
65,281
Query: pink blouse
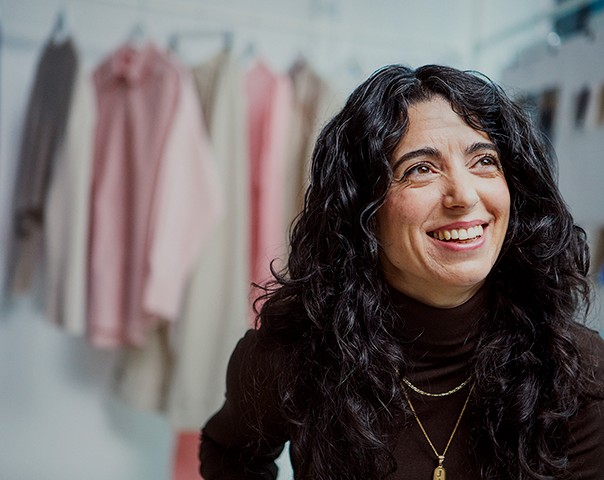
x,y
269,97
154,194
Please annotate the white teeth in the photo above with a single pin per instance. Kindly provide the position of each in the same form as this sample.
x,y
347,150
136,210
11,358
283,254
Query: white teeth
x,y
459,233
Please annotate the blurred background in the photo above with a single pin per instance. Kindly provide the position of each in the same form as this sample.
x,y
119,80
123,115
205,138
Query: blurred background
x,y
77,404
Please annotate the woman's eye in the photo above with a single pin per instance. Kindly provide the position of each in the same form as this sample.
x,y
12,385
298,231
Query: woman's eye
x,y
417,171
488,161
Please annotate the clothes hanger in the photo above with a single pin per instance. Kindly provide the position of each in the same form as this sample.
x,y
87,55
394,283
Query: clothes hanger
x,y
298,64
227,40
249,55
61,30
138,35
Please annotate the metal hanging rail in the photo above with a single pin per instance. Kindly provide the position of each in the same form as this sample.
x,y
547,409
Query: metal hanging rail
x,y
325,24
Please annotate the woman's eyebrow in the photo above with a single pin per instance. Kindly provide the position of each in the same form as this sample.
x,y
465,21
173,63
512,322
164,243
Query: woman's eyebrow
x,y
478,146
420,152
433,152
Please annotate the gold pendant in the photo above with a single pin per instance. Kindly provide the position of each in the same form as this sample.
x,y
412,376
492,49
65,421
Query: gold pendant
x,y
439,473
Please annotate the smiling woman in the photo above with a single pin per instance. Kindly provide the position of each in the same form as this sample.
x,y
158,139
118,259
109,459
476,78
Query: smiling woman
x,y
449,186
427,323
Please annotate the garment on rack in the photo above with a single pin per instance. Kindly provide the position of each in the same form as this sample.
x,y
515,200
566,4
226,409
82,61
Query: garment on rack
x,y
314,103
144,374
66,213
154,195
214,312
43,133
269,97
216,306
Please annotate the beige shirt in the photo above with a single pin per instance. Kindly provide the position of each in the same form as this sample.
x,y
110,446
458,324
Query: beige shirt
x,y
67,214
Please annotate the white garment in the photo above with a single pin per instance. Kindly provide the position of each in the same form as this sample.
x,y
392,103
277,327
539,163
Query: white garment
x,y
215,315
145,374
67,213
187,206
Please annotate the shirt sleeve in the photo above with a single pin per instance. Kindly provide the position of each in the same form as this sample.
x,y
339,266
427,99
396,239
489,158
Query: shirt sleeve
x,y
586,454
587,436
244,438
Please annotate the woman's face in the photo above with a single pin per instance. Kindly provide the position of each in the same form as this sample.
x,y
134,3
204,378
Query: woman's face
x,y
446,214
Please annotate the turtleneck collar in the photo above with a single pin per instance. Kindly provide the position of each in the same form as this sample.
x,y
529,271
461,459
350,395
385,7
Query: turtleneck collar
x,y
439,342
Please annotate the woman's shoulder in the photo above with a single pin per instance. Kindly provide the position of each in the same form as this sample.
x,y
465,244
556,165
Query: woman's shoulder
x,y
590,344
251,417
258,352
253,383
586,451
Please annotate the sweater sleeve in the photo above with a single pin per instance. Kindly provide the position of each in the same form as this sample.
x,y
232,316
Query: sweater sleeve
x,y
243,439
586,455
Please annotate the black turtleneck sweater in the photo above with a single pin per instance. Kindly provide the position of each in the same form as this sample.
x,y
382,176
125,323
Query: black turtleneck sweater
x,y
441,348
441,345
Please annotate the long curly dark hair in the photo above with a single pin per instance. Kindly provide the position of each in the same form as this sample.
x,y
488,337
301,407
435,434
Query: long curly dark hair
x,y
331,309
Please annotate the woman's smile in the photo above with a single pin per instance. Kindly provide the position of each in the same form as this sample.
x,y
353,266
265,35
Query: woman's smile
x,y
445,217
459,233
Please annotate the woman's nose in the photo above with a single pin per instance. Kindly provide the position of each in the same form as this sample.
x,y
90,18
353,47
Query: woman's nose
x,y
460,191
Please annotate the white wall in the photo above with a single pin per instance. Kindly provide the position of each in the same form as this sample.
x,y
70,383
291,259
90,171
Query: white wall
x,y
58,418
570,67
576,64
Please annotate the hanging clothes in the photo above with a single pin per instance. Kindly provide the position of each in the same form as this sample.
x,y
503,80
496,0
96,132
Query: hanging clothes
x,y
215,311
178,375
314,103
66,214
144,373
154,195
269,98
43,133
185,463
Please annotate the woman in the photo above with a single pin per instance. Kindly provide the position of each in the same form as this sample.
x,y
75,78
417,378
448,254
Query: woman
x,y
426,322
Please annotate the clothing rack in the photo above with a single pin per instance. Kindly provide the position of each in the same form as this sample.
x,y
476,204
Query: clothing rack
x,y
175,38
265,20
326,23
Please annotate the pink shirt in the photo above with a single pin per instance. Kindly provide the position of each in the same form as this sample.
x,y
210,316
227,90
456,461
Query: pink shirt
x,y
150,207
269,99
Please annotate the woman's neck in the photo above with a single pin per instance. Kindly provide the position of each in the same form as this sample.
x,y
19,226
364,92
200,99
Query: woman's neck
x,y
439,342
445,297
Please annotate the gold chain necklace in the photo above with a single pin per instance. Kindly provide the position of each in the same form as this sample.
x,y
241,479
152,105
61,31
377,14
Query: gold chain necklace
x,y
443,394
439,471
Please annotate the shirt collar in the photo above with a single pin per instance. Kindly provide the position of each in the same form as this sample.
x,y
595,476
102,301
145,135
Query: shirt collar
x,y
130,64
